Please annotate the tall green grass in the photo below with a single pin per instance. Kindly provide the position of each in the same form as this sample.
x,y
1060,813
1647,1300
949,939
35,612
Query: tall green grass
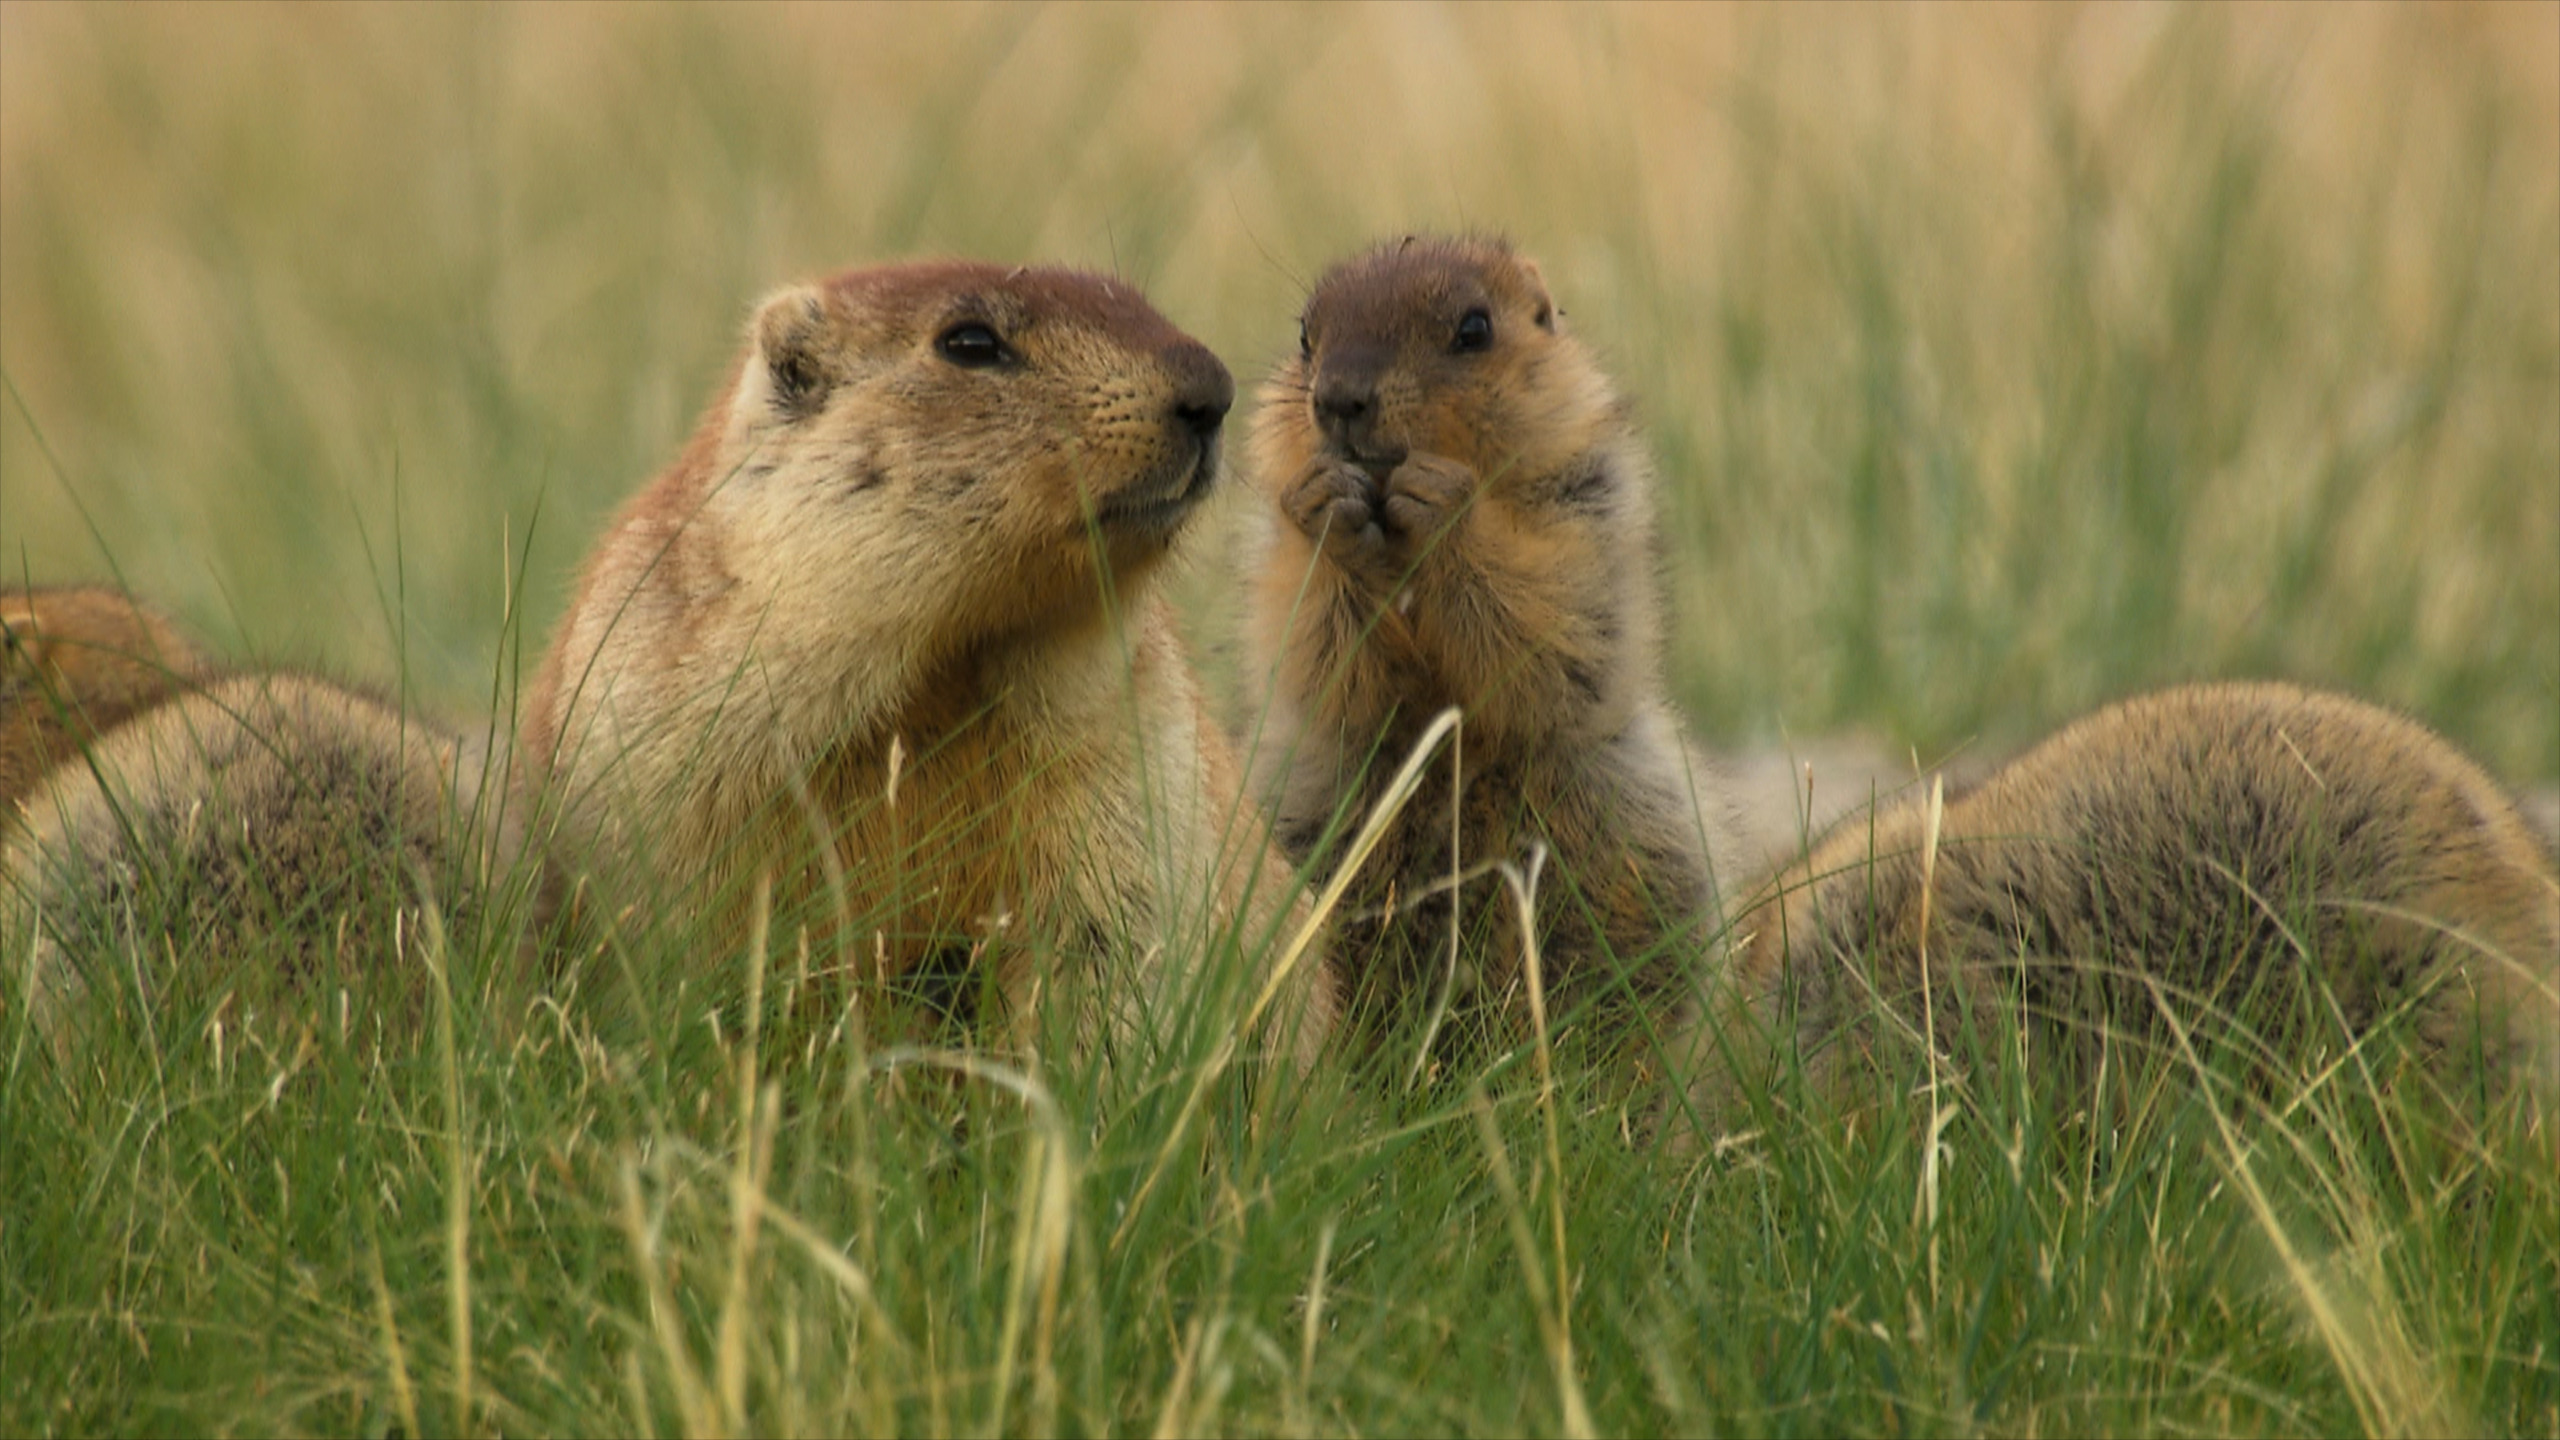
x,y
1997,362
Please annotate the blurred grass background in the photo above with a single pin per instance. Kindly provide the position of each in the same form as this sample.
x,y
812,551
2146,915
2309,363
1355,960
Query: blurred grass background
x,y
1999,360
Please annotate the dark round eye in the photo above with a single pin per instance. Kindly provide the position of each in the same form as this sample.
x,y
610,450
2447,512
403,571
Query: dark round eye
x,y
971,346
1306,343
1475,331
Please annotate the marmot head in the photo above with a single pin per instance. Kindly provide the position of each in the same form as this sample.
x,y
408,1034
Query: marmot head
x,y
1024,425
1446,346
89,641
73,663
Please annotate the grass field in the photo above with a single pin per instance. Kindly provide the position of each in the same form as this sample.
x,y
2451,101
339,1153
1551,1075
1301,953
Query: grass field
x,y
1998,362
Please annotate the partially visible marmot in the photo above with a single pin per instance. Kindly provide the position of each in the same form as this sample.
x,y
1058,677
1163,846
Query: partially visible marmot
x,y
2288,868
274,816
80,661
1465,515
885,633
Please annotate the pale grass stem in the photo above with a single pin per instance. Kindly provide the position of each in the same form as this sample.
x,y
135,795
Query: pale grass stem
x,y
1039,1266
747,1176
1398,794
701,1416
2540,980
395,1355
2381,1371
1524,894
1040,1234
26,1011
1940,1116
1449,975
1177,1418
1313,1324
1804,813
2354,1052
458,1159
635,1381
1547,1305
852,1279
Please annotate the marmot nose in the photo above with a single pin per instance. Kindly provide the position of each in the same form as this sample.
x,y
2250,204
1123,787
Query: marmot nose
x,y
1202,390
1343,409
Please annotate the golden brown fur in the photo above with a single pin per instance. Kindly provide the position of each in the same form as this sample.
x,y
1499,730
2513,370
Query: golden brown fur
x,y
274,814
1464,518
80,661
2222,842
886,633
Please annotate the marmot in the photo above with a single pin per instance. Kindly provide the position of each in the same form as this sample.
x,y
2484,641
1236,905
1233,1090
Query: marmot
x,y
1465,519
885,634
80,661
2223,843
270,815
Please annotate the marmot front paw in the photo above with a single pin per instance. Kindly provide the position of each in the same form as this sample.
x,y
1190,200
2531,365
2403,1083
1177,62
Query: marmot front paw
x,y
1335,504
1424,494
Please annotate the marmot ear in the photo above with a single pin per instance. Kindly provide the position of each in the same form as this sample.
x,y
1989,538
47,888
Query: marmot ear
x,y
791,333
1544,311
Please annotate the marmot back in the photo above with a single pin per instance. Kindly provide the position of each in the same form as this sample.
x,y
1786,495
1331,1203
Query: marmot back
x,y
275,816
81,660
1464,517
885,634
2284,869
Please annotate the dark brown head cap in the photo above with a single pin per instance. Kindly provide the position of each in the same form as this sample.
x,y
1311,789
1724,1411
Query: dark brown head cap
x,y
1397,290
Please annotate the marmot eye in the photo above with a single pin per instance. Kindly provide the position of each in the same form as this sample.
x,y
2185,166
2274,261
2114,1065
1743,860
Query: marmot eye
x,y
1306,343
971,346
1475,331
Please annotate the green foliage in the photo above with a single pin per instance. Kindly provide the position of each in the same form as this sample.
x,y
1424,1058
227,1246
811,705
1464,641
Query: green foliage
x,y
1997,363
683,1210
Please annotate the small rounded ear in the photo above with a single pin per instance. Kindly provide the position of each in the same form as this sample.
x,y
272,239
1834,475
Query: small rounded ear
x,y
1543,309
791,333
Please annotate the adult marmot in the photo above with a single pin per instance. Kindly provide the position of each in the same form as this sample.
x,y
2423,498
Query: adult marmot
x,y
1464,519
885,635
2278,868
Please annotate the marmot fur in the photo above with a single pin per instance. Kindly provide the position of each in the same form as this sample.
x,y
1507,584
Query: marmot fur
x,y
885,634
80,661
2280,868
1464,518
272,815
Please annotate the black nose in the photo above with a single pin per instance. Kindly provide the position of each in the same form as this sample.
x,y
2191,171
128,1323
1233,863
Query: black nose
x,y
1344,408
1202,390
1202,417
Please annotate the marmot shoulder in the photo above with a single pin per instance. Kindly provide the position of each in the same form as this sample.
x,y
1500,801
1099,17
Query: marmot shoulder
x,y
1462,515
886,635
2282,868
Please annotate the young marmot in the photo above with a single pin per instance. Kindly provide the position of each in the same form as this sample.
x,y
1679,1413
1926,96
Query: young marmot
x,y
270,815
2281,869
884,635
1464,519
80,661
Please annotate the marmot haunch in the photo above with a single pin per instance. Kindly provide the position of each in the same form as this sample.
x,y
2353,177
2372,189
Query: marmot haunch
x,y
81,660
271,815
885,634
2287,867
1464,518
